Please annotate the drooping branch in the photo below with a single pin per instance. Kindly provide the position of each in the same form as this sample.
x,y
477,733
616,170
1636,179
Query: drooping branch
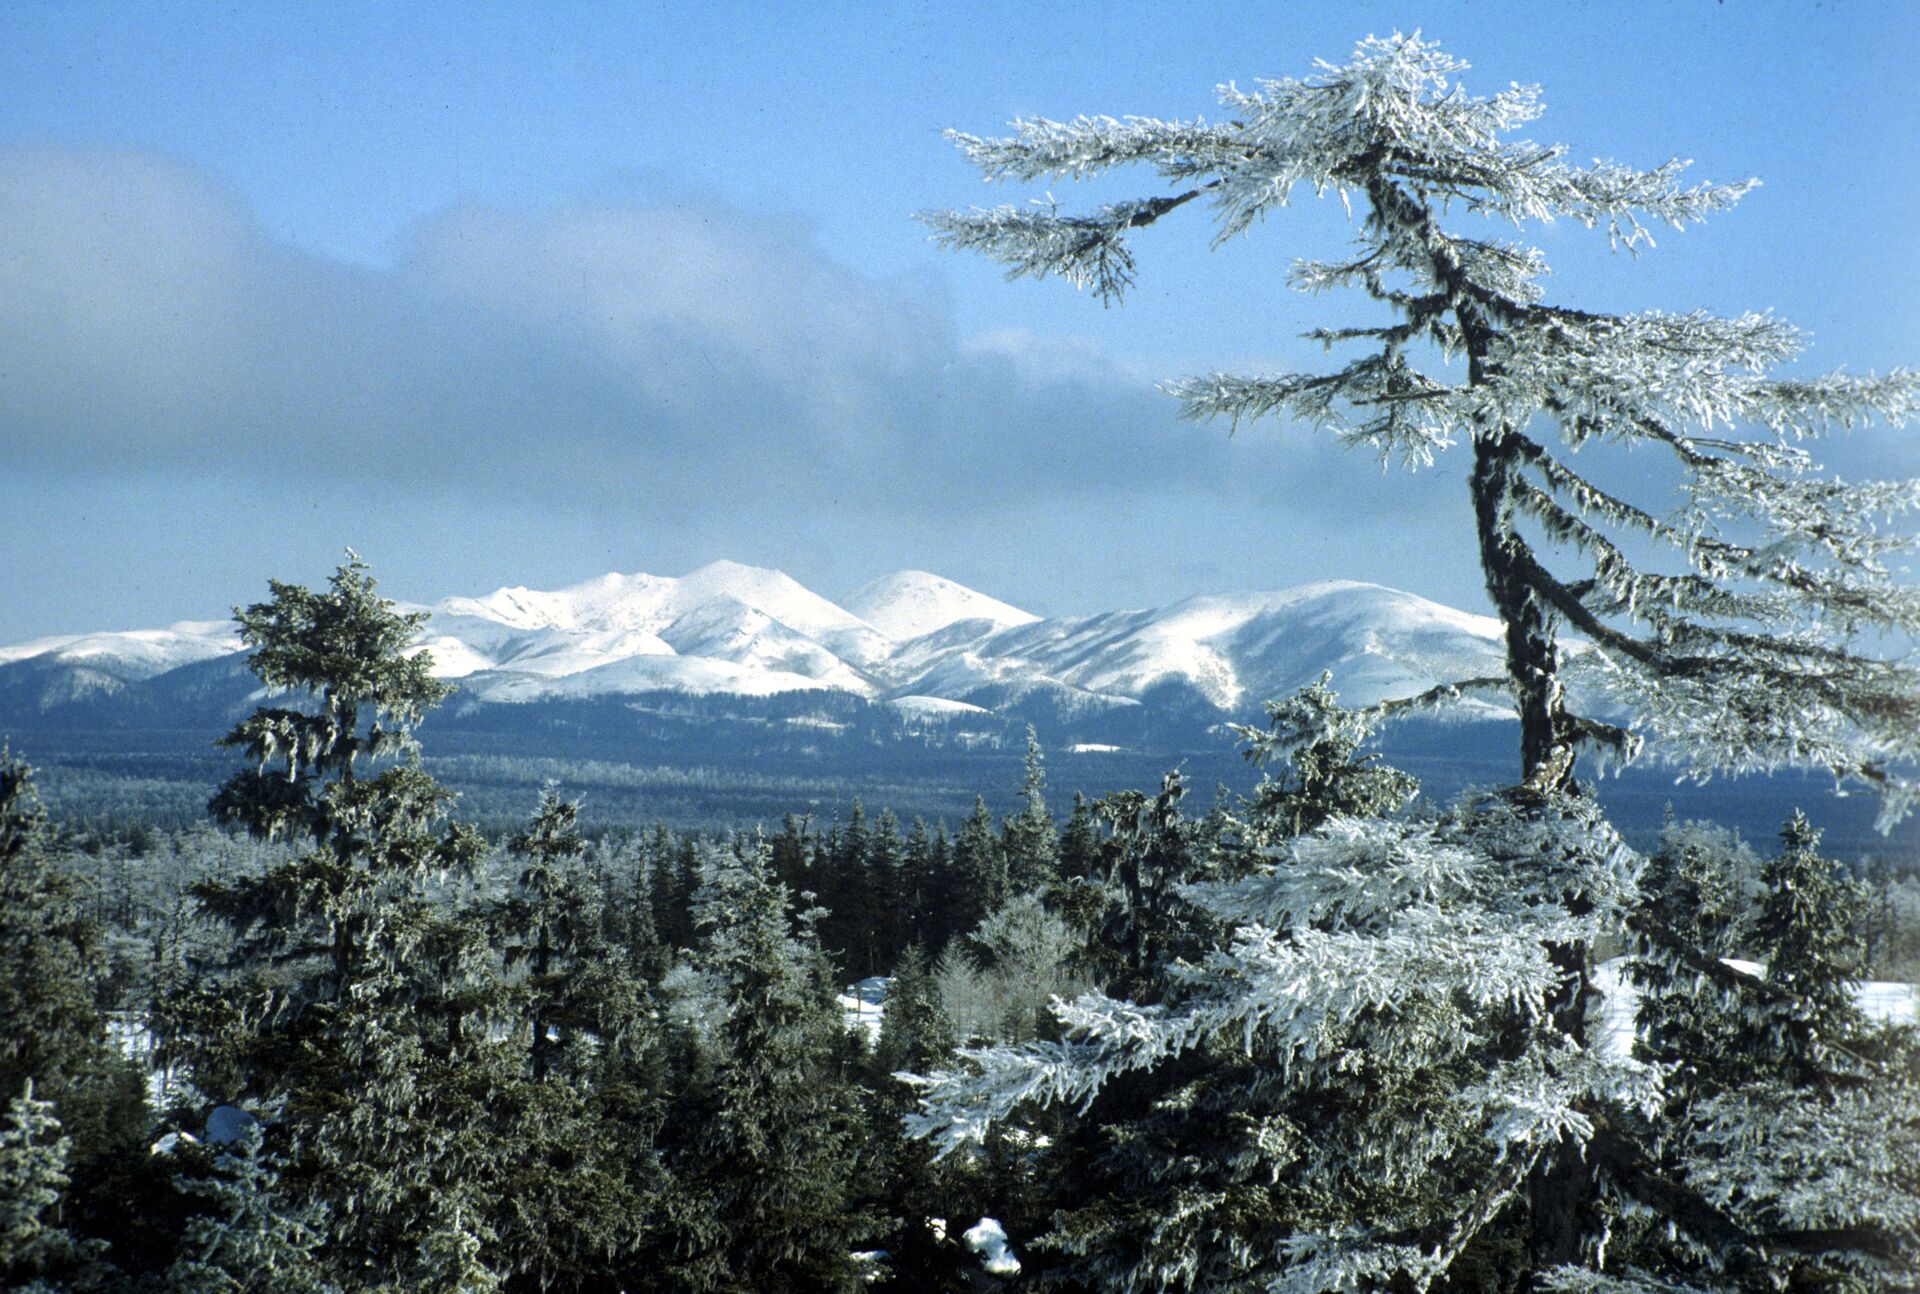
x,y
1742,1249
1439,695
1087,251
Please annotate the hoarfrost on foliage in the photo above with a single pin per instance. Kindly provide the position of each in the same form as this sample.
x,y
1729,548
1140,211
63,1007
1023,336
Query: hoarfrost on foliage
x,y
1744,631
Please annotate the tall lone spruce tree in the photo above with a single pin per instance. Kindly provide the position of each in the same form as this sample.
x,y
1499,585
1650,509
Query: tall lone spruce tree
x,y
1437,1105
1730,625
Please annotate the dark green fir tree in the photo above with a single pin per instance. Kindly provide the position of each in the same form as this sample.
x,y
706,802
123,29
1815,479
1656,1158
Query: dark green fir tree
x,y
1079,843
1028,839
980,867
767,1147
334,1009
911,1186
52,1032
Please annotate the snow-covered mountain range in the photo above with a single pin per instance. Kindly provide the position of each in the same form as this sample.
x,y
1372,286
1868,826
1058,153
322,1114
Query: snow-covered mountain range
x,y
911,639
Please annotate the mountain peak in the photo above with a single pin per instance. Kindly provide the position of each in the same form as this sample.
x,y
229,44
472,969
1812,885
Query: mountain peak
x,y
725,568
910,603
731,627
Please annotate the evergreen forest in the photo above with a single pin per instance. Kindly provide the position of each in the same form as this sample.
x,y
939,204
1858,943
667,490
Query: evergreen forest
x,y
1324,1034
336,1039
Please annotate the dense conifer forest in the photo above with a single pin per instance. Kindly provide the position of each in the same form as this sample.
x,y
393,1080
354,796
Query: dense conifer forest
x,y
1322,1034
335,1039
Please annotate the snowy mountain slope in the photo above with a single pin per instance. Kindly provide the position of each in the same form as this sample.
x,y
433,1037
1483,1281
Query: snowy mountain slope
x,y
1001,682
727,629
1233,650
466,645
137,653
36,647
730,629
693,675
909,604
933,707
650,603
50,672
612,601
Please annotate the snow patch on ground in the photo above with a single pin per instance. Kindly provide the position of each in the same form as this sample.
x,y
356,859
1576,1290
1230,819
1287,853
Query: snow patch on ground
x,y
864,1005
1882,1001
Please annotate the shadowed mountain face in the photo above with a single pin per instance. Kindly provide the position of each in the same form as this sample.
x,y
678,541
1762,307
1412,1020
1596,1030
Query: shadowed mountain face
x,y
729,630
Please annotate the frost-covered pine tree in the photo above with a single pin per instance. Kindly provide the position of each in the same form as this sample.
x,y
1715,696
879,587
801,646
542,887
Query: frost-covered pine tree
x,y
1397,1093
547,916
1693,889
901,1176
37,1254
1150,850
1808,932
1161,1181
1731,625
571,1168
335,1006
449,1259
250,1238
53,1035
1787,1113
1322,773
1417,1000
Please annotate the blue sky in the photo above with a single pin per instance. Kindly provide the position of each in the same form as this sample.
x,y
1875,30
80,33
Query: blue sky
x,y
521,294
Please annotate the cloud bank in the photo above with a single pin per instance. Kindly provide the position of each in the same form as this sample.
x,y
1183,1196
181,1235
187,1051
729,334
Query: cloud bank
x,y
539,395
687,352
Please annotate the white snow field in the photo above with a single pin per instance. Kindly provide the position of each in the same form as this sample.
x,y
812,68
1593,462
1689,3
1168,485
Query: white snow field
x,y
910,604
934,648
1880,1000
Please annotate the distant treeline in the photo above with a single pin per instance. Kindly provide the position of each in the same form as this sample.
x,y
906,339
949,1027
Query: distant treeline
x,y
160,778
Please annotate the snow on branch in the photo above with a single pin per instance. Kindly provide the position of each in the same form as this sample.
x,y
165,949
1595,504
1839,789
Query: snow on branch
x,y
1585,1280
1604,194
1608,375
1845,1160
1038,242
1351,1261
1407,414
1088,146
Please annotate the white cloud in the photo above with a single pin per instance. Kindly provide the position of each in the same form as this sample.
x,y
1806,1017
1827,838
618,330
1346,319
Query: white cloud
x,y
679,374
578,352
